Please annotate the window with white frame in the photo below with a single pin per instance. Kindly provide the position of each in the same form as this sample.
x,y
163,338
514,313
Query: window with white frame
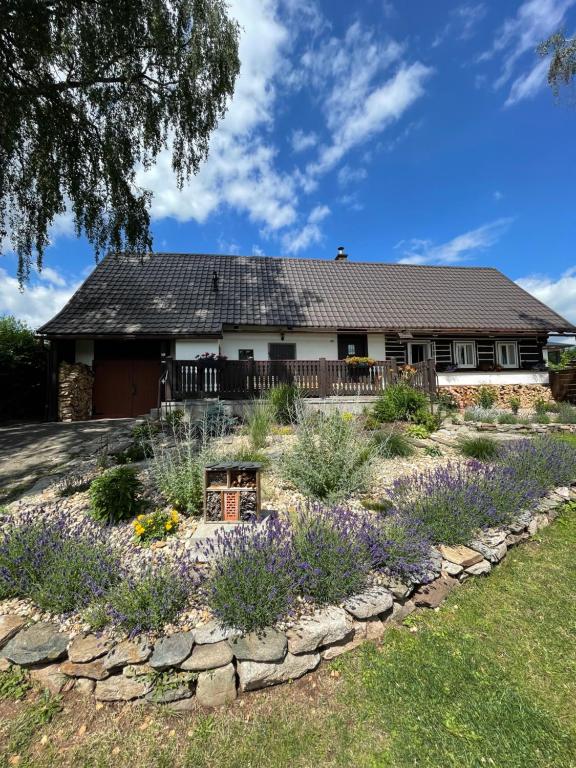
x,y
419,351
507,354
465,354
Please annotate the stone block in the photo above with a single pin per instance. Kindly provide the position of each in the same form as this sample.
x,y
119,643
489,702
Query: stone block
x,y
216,686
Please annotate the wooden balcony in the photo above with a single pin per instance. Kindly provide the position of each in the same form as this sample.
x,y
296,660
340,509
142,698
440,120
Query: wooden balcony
x,y
191,379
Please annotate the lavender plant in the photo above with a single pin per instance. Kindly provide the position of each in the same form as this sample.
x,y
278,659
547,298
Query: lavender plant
x,y
541,463
448,504
60,564
147,599
252,583
395,547
331,560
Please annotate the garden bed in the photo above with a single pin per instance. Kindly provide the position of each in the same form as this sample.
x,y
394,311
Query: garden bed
x,y
109,578
214,663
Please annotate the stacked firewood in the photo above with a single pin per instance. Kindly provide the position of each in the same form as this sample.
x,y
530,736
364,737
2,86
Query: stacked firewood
x,y
75,382
527,393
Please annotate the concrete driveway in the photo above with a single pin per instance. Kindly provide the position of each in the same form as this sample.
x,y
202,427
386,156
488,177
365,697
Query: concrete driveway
x,y
29,451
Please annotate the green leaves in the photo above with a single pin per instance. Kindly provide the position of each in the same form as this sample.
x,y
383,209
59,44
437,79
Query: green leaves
x,y
91,91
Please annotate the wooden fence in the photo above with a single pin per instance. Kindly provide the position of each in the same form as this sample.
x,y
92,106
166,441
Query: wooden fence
x,y
190,379
563,384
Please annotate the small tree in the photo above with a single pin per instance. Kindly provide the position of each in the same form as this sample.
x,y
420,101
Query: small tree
x,y
92,90
22,369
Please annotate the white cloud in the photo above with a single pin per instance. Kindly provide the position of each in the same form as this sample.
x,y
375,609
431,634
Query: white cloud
x,y
240,171
519,35
288,44
347,175
296,240
527,85
39,301
302,141
459,249
462,23
559,294
497,195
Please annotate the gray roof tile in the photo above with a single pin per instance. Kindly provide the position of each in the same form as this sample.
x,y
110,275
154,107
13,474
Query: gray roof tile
x,y
171,294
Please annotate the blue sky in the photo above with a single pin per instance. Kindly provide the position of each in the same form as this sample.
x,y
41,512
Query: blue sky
x,y
404,130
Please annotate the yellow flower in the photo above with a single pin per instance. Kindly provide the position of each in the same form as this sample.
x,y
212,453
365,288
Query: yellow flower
x,y
168,526
174,516
139,530
140,517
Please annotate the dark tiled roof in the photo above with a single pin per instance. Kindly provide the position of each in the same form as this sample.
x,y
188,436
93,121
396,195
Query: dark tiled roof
x,y
172,294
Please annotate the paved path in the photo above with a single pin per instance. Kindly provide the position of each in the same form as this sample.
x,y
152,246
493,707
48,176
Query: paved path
x,y
29,451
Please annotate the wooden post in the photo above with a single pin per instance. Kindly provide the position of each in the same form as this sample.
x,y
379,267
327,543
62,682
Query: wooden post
x,y
323,383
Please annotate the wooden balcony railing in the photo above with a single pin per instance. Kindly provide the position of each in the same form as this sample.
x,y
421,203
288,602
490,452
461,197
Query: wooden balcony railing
x,y
190,379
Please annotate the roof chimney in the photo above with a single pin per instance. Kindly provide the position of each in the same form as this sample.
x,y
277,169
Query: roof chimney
x,y
341,255
215,281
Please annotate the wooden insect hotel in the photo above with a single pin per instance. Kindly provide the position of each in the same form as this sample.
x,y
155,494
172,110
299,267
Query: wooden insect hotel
x,y
232,492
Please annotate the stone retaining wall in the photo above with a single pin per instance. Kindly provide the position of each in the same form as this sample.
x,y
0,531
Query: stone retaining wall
x,y
532,428
528,394
212,665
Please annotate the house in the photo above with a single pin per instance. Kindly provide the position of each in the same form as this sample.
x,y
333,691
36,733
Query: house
x,y
135,316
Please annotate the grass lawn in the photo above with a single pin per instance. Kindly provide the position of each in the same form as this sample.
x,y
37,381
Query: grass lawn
x,y
488,680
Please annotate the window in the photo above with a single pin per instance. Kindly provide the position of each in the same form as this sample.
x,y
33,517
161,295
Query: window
x,y
418,351
351,349
507,354
465,354
245,354
282,351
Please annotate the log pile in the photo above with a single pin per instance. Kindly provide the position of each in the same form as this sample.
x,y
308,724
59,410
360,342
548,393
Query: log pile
x,y
75,382
527,393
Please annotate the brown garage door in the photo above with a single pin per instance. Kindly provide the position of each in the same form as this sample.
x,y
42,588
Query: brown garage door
x,y
125,387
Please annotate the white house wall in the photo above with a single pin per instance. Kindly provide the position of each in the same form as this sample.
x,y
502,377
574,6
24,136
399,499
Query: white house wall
x,y
309,346
187,349
495,378
84,352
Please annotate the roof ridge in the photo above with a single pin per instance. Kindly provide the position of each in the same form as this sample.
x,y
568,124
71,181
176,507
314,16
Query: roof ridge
x,y
304,259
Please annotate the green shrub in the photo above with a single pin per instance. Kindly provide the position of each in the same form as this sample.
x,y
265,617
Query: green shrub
x,y
392,443
540,406
477,413
259,422
432,421
180,480
486,397
514,403
447,402
284,403
566,413
246,453
542,418
376,505
145,601
507,418
14,684
481,448
419,431
330,459
399,402
114,495
174,418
